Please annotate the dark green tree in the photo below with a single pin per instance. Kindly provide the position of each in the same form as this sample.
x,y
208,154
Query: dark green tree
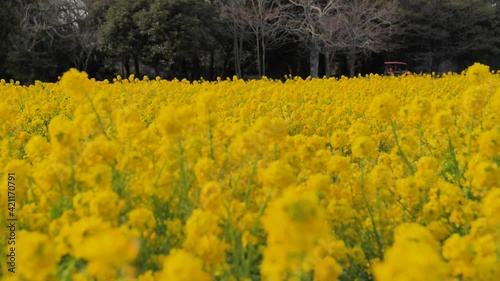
x,y
181,36
41,46
119,36
435,31
7,22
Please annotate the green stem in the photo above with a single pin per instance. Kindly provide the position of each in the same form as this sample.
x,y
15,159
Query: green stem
x,y
398,200
232,238
220,175
261,211
184,199
457,174
420,135
249,185
210,137
498,241
159,173
99,120
370,212
113,128
471,128
401,153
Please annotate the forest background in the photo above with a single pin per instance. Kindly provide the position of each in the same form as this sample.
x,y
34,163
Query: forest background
x,y
206,39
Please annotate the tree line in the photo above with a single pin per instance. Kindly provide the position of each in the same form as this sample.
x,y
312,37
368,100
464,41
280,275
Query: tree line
x,y
195,39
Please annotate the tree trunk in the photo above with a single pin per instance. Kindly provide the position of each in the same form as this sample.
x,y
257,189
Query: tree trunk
x,y
351,62
314,61
196,74
184,68
257,44
237,47
263,58
136,67
87,59
240,50
126,64
431,62
211,67
328,66
157,70
236,54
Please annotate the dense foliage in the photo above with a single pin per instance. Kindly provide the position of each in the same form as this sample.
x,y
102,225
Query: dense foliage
x,y
395,178
191,39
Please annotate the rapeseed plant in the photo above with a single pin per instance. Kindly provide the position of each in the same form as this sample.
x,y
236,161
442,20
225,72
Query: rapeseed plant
x,y
391,178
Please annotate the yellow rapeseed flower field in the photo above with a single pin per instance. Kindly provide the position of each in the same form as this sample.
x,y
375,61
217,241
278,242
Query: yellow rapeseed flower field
x,y
369,178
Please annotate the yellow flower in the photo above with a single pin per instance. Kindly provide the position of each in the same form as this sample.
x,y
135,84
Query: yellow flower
x,y
108,250
212,199
484,175
477,73
269,168
103,102
37,148
202,230
327,269
358,129
475,99
205,170
384,107
381,176
5,110
210,249
339,139
278,174
100,149
207,102
22,173
172,121
202,222
146,276
141,218
37,255
294,224
439,229
454,247
128,123
98,176
63,132
427,171
168,121
491,206
495,101
182,266
174,231
106,204
414,256
489,143
74,83
364,147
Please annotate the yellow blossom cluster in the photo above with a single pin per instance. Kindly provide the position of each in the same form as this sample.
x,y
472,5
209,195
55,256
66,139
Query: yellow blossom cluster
x,y
370,178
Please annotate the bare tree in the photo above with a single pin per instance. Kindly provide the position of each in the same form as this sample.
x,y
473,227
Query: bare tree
x,y
231,12
364,27
255,21
54,20
83,39
313,23
47,37
262,19
357,27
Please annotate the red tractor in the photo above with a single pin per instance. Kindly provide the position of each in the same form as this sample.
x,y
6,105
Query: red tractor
x,y
396,68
